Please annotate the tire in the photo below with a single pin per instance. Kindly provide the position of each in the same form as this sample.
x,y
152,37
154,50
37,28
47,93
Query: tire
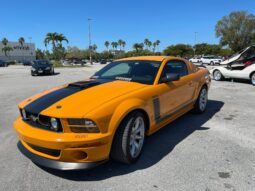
x,y
125,148
52,72
32,73
201,102
253,78
217,75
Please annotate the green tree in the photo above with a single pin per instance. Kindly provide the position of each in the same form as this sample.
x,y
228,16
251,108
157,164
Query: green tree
x,y
123,44
39,54
155,45
107,43
22,42
94,47
181,50
236,30
138,47
56,40
61,38
114,45
205,49
120,43
147,43
51,38
6,49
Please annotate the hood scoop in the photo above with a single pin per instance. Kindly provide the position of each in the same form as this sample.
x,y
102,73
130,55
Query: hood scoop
x,y
84,84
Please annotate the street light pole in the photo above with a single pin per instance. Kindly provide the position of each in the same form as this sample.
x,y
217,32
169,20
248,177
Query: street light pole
x,y
195,42
90,47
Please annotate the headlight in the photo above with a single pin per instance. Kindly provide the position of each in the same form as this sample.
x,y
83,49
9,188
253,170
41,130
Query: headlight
x,y
55,124
83,126
23,114
48,68
32,68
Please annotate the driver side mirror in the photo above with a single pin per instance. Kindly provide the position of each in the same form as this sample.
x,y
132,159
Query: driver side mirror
x,y
170,77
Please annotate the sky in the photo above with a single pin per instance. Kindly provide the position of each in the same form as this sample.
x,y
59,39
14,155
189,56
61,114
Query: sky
x,y
169,21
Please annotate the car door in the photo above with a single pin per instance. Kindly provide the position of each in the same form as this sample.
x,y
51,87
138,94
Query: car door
x,y
176,94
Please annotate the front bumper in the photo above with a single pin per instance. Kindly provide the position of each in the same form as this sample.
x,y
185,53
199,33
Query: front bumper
x,y
63,150
41,72
58,165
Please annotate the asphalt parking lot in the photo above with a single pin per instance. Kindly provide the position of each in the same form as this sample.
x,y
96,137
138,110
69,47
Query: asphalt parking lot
x,y
212,151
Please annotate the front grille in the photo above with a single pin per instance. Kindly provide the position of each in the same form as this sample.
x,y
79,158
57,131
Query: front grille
x,y
51,152
40,121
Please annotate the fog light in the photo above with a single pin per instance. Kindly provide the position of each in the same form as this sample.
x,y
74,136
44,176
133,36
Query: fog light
x,y
54,124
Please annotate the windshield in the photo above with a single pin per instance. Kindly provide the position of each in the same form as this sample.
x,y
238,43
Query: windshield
x,y
140,71
41,63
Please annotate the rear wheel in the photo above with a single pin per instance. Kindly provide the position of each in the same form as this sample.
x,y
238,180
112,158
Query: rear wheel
x,y
217,75
129,138
253,79
201,103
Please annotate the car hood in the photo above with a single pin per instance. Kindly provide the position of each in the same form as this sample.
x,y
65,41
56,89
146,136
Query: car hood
x,y
77,99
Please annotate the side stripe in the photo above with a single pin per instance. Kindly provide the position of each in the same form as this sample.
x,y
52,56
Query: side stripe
x,y
156,107
160,119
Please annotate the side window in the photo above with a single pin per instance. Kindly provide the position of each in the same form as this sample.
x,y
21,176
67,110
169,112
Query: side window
x,y
175,66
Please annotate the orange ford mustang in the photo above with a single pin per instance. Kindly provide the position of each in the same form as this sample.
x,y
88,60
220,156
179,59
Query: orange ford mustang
x,y
82,124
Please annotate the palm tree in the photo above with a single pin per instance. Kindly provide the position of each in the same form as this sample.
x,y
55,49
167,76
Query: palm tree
x,y
147,42
138,46
120,42
107,43
114,45
94,47
51,38
61,38
5,41
155,44
22,42
123,44
6,48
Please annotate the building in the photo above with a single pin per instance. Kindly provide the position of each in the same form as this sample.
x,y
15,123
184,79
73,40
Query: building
x,y
18,52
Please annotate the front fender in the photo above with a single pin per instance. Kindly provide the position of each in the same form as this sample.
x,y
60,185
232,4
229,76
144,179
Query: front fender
x,y
123,110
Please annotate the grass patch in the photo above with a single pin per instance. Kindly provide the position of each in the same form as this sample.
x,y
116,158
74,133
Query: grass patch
x,y
57,64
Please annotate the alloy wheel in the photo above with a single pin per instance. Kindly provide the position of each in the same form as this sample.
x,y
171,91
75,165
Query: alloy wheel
x,y
136,136
203,99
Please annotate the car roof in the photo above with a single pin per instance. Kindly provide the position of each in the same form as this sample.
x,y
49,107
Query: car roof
x,y
151,58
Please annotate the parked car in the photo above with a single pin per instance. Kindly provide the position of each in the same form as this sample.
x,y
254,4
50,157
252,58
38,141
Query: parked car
x,y
83,124
3,63
211,60
195,60
103,61
66,63
42,67
78,62
234,72
27,63
243,56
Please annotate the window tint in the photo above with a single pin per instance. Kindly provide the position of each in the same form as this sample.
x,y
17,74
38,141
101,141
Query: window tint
x,y
141,71
176,67
121,69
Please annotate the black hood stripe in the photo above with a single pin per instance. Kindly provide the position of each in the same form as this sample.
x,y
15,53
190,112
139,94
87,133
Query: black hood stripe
x,y
49,99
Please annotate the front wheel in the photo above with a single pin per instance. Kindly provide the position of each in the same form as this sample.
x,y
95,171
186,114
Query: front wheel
x,y
201,103
129,139
217,75
253,79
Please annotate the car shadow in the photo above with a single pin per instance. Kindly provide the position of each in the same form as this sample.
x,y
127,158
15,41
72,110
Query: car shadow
x,y
157,146
46,75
